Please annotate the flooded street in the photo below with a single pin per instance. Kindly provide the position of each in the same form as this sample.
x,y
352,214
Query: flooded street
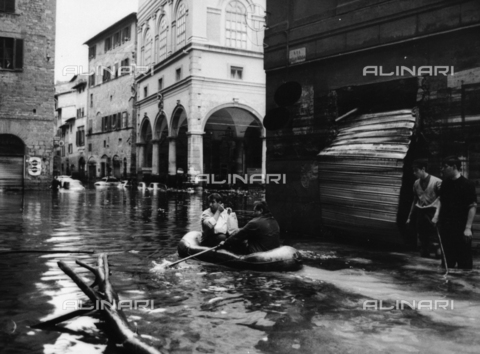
x,y
205,308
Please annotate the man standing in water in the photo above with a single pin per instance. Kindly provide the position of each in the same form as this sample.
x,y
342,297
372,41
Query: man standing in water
x,y
425,204
457,210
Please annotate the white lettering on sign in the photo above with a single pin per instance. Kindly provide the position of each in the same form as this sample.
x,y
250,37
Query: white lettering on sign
x,y
297,55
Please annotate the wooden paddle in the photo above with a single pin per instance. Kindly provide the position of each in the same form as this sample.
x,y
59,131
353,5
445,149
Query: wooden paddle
x,y
194,255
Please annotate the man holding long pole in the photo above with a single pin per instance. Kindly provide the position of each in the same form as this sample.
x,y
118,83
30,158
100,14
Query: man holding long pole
x,y
457,211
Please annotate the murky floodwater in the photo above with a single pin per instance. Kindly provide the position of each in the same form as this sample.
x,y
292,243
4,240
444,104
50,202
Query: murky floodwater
x,y
202,308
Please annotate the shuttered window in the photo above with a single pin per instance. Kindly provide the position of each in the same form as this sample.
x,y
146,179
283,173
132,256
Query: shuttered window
x,y
7,5
11,53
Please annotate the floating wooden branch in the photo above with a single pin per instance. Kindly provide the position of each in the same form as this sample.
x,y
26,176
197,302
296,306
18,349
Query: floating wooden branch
x,y
116,320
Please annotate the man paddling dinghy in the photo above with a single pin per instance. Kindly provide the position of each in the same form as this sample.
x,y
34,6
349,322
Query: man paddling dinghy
x,y
261,234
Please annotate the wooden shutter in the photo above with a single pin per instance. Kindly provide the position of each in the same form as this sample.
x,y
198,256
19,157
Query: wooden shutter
x,y
19,54
11,172
10,6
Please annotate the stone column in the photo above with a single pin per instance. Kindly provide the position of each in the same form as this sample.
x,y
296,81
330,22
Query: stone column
x,y
140,155
172,155
195,150
155,151
264,155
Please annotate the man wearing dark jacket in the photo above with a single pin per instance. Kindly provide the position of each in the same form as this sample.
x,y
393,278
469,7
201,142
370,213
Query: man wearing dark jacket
x,y
261,234
457,210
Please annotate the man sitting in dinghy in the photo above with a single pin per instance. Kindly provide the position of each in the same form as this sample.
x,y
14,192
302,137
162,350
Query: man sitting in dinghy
x,y
261,234
214,221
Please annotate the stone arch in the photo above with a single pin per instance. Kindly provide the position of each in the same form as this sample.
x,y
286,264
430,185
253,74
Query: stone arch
x,y
161,123
179,118
237,105
12,145
232,140
146,137
160,136
92,168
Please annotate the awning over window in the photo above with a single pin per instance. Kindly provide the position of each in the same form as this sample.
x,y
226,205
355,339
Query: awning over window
x,y
361,173
71,119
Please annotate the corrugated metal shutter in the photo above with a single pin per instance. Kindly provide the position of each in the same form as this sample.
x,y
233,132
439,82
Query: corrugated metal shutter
x,y
11,172
361,173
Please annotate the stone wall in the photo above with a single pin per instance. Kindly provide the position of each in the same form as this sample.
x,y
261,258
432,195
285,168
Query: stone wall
x,y
27,96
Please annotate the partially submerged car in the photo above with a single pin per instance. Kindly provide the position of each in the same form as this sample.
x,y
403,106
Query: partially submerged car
x,y
106,182
68,183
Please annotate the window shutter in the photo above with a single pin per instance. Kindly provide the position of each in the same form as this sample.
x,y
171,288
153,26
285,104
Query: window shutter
x,y
19,54
10,6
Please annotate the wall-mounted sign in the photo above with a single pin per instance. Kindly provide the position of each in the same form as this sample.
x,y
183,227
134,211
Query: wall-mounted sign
x,y
34,166
297,55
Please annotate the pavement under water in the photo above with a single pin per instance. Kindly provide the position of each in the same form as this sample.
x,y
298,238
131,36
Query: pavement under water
x,y
327,307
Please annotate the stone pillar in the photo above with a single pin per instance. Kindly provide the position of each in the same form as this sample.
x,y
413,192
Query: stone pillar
x,y
239,160
155,152
195,151
140,155
264,155
172,155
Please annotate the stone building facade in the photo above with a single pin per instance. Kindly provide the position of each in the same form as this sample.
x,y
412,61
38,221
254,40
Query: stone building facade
x,y
366,55
110,137
202,102
27,42
71,113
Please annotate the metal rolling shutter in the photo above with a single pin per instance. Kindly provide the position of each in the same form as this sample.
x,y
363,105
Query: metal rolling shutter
x,y
11,172
361,174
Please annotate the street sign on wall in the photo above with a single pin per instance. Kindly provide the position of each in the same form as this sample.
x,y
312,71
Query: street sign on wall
x,y
297,55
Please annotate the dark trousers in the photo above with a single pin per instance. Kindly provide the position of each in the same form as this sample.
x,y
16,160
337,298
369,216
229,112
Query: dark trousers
x,y
211,240
457,251
426,232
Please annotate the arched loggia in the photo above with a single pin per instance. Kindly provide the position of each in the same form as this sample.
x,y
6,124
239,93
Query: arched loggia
x,y
232,143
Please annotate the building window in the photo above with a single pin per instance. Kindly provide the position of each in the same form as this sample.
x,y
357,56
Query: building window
x,y
80,138
236,25
117,40
236,72
119,121
162,44
90,147
125,67
7,5
70,148
145,91
91,100
108,44
147,48
180,26
63,151
91,80
107,73
160,84
92,51
116,70
178,74
11,53
126,34
125,119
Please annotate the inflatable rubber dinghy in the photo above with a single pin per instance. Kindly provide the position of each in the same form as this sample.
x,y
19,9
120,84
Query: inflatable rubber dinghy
x,y
284,258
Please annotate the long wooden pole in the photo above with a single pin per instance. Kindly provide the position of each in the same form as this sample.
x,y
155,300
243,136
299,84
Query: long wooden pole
x,y
194,255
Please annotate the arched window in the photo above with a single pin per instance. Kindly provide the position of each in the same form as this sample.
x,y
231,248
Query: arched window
x,y
180,26
162,43
236,25
147,48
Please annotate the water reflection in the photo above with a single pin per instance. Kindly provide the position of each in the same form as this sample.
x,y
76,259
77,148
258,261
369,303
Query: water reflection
x,y
209,308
